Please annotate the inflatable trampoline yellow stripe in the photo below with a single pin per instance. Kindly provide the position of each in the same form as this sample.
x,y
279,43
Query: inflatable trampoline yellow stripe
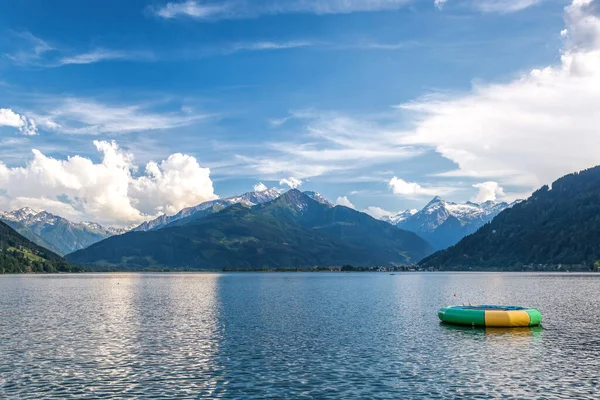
x,y
506,318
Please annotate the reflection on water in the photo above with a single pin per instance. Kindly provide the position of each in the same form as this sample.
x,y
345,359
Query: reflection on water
x,y
492,332
292,336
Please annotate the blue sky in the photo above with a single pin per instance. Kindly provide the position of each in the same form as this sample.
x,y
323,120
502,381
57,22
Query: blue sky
x,y
330,93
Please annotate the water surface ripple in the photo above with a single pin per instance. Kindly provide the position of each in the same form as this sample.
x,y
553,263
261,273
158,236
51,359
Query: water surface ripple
x,y
326,336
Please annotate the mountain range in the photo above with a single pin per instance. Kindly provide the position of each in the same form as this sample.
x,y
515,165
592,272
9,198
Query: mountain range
x,y
56,233
293,230
18,254
62,236
443,223
248,199
556,225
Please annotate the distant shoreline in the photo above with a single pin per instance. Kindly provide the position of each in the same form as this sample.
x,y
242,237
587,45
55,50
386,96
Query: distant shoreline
x,y
200,272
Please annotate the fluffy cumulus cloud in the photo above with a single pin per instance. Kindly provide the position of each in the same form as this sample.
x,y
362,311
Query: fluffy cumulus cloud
x,y
344,201
488,191
528,131
108,192
23,124
377,212
260,187
402,188
292,182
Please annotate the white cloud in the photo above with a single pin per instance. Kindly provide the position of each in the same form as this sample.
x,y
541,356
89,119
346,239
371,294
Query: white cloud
x,y
88,117
260,187
439,4
291,182
99,55
266,45
330,143
377,212
531,130
10,118
35,50
192,9
344,201
504,6
495,6
403,188
488,191
233,9
107,192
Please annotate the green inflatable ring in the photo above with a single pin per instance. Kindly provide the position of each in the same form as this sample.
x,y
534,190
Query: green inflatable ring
x,y
490,316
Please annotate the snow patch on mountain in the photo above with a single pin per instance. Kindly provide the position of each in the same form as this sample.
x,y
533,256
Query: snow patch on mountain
x,y
444,223
399,217
248,199
62,235
318,197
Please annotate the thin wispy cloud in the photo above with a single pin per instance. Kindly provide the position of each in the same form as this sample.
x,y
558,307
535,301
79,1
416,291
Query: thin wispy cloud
x,y
238,9
36,52
490,6
89,117
99,55
504,6
328,143
34,49
265,46
384,46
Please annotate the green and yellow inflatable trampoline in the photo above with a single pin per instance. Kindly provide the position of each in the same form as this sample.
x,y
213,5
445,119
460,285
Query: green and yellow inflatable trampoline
x,y
490,316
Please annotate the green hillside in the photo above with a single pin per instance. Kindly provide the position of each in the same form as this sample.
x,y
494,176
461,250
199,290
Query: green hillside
x,y
554,226
20,255
290,232
32,236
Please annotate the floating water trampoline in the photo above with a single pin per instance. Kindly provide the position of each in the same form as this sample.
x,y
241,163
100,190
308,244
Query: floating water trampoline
x,y
490,316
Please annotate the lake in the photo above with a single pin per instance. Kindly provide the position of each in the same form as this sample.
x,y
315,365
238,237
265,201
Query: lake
x,y
293,335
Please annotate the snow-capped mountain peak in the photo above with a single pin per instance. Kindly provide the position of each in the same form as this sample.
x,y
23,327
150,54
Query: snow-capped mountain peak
x,y
248,199
399,217
55,232
463,219
318,197
20,214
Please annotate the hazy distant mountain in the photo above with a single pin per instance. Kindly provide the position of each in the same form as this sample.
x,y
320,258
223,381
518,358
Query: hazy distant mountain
x,y
291,231
554,226
56,233
19,255
444,223
247,199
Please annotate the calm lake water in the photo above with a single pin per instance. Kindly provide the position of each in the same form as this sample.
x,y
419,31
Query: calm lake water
x,y
338,336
